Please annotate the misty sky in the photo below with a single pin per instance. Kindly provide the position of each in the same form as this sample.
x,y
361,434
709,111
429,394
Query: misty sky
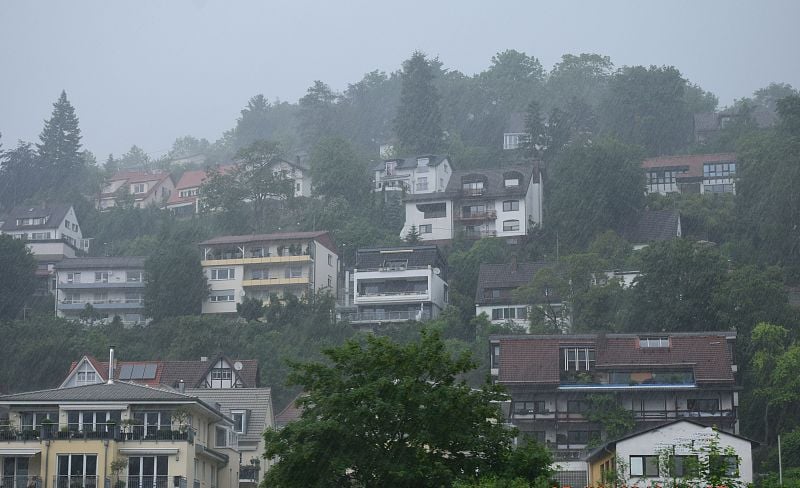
x,y
145,72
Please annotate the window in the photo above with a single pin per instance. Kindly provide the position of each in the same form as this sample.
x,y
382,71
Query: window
x,y
67,224
239,421
426,229
654,342
100,297
71,297
472,187
221,437
259,274
40,236
391,166
511,182
134,297
702,404
683,466
330,259
582,436
730,464
422,183
147,471
578,358
578,406
223,273
73,277
133,276
719,170
529,408
77,470
330,281
433,210
718,188
510,205
644,466
495,357
510,225
221,374
294,272
101,277
509,313
86,377
510,141
221,296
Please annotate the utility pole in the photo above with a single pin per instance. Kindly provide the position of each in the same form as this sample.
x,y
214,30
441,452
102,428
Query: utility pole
x,y
780,463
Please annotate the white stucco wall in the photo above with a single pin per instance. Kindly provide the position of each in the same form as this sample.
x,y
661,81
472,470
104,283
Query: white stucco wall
x,y
442,228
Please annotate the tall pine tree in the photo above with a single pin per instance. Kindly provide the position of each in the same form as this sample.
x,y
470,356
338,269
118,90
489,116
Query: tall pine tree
x,y
418,124
60,146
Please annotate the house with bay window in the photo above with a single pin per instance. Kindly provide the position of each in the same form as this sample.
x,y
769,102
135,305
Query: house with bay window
x,y
500,202
694,173
263,265
101,434
231,385
113,286
554,381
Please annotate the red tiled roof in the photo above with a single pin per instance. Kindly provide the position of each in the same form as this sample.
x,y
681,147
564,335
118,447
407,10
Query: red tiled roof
x,y
535,359
693,161
192,179
290,413
139,176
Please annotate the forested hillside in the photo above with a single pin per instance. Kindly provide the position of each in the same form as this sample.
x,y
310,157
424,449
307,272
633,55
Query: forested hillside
x,y
589,121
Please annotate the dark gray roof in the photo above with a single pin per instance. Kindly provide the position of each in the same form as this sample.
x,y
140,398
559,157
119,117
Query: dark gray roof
x,y
493,182
56,214
653,226
127,262
706,121
409,162
257,401
505,275
515,123
417,256
99,392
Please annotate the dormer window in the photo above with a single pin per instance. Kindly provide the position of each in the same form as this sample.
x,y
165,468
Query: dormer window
x,y
654,342
512,179
391,166
138,188
577,358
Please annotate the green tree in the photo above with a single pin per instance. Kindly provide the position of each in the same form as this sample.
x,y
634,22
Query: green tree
x,y
418,121
17,276
135,159
647,107
595,186
317,113
337,170
60,145
384,414
584,77
174,281
21,175
251,308
413,236
615,420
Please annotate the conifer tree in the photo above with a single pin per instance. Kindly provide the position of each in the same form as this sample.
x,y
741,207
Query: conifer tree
x,y
60,146
419,117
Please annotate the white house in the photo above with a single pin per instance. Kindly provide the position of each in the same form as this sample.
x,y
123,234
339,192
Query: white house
x,y
396,284
659,455
421,174
260,265
146,187
501,202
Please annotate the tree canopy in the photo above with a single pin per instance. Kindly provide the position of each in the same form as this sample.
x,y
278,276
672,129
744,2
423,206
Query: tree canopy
x,y
17,276
418,121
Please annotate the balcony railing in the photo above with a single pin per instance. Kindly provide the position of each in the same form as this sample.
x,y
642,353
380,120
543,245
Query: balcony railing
x,y
396,316
109,431
150,482
568,454
479,234
393,293
473,192
20,482
248,472
646,415
75,481
485,215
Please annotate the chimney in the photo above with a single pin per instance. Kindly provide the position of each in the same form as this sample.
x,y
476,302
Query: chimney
x,y
111,365
181,386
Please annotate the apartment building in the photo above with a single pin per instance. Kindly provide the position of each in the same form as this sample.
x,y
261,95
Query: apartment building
x,y
658,377
698,173
427,173
52,233
231,385
396,284
118,434
144,188
260,265
113,286
500,202
495,295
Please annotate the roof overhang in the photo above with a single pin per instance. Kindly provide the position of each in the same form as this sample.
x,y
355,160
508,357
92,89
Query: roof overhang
x,y
20,451
154,451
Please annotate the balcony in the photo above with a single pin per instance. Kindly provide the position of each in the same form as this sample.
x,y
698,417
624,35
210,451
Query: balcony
x,y
477,216
666,379
473,192
568,454
20,481
162,481
479,234
241,260
109,431
386,297
110,304
75,481
248,473
387,316
102,286
301,280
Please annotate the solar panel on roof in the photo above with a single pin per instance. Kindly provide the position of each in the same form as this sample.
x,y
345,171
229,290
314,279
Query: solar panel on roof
x,y
138,371
125,372
149,371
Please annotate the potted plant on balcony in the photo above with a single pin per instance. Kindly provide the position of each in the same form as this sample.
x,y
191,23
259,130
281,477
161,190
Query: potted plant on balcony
x,y
116,468
129,427
181,418
47,428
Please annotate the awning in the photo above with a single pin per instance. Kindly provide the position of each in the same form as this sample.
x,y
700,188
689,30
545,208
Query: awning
x,y
21,451
153,451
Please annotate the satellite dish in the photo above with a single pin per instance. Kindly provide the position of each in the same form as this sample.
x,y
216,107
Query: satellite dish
x,y
436,271
238,365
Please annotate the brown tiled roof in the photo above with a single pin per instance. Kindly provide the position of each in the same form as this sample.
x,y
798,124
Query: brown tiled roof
x,y
535,359
290,412
506,275
653,226
693,161
192,179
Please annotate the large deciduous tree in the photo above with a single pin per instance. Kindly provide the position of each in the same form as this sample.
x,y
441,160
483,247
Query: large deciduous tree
x,y
60,144
337,170
595,186
17,276
418,121
20,175
383,414
317,113
175,284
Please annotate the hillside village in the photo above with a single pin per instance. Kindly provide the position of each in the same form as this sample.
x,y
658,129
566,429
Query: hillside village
x,y
630,285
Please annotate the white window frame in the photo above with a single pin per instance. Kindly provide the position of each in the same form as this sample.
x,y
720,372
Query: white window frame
x,y
222,296
138,188
511,225
511,206
101,276
425,228
134,276
216,274
243,414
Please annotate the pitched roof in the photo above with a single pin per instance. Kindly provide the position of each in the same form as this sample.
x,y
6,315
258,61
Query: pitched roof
x,y
535,359
494,182
290,412
98,392
321,235
257,401
606,447
653,226
505,275
54,213
193,179
139,176
410,162
515,123
127,262
693,163
416,256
